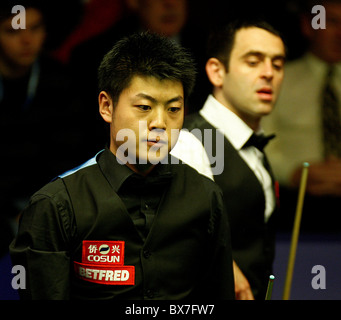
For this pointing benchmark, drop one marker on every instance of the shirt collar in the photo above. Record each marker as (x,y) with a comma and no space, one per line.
(234,128)
(117,173)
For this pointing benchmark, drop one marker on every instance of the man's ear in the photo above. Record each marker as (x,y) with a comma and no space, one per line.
(106,106)
(215,71)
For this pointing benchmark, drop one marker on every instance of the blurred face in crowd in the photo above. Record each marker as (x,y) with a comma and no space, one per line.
(150,109)
(166,17)
(251,85)
(20,48)
(326,43)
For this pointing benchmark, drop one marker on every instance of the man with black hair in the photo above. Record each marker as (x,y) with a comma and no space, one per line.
(131,223)
(245,68)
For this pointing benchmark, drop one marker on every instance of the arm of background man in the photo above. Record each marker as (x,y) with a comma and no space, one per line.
(41,247)
(241,285)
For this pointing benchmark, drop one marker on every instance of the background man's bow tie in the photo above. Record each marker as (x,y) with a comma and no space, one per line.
(258,141)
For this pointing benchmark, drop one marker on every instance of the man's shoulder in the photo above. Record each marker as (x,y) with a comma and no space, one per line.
(194,120)
(57,187)
(192,178)
(81,169)
(52,190)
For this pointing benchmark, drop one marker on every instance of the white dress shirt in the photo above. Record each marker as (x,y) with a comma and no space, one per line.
(238,133)
(191,151)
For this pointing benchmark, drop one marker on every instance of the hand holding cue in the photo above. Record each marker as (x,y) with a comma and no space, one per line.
(295,232)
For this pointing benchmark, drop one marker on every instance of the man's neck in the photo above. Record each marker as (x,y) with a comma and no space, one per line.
(141,169)
(252,122)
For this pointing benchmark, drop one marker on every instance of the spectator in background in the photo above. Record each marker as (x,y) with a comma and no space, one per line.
(97,16)
(307,123)
(34,110)
(166,17)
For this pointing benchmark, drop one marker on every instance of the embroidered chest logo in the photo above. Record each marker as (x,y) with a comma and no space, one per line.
(103,262)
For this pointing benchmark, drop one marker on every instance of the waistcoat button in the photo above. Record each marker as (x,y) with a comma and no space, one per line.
(146,253)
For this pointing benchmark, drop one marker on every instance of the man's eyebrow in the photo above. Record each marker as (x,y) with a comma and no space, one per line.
(253,53)
(153,100)
(176,99)
(262,54)
(146,96)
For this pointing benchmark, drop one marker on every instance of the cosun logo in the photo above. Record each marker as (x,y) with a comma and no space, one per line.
(104,249)
(104,259)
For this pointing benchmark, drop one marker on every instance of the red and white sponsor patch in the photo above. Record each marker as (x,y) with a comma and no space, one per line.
(103,252)
(103,262)
(118,275)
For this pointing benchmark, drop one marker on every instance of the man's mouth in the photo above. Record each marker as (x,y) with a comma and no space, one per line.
(156,141)
(265,94)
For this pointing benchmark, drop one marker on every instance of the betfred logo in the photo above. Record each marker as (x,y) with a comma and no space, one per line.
(103,252)
(110,275)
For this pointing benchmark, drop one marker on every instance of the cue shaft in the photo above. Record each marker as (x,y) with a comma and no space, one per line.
(269,289)
(296,231)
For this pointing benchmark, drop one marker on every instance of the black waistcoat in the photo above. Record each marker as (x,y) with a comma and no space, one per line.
(253,240)
(176,260)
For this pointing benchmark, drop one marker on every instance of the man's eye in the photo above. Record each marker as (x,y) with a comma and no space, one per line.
(174,109)
(278,65)
(144,107)
(252,63)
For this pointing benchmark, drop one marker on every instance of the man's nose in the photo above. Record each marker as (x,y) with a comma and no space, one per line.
(267,71)
(158,120)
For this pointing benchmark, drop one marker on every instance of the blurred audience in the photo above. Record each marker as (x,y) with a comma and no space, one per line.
(167,17)
(36,120)
(307,123)
(97,16)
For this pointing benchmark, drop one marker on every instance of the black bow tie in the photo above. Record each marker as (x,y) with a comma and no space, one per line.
(258,141)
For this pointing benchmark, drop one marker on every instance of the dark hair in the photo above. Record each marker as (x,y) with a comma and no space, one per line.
(221,40)
(145,54)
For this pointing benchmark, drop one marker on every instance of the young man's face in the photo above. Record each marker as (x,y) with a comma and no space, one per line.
(252,83)
(149,109)
(21,47)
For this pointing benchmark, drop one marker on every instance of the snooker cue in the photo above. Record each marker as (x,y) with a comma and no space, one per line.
(269,289)
(295,232)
